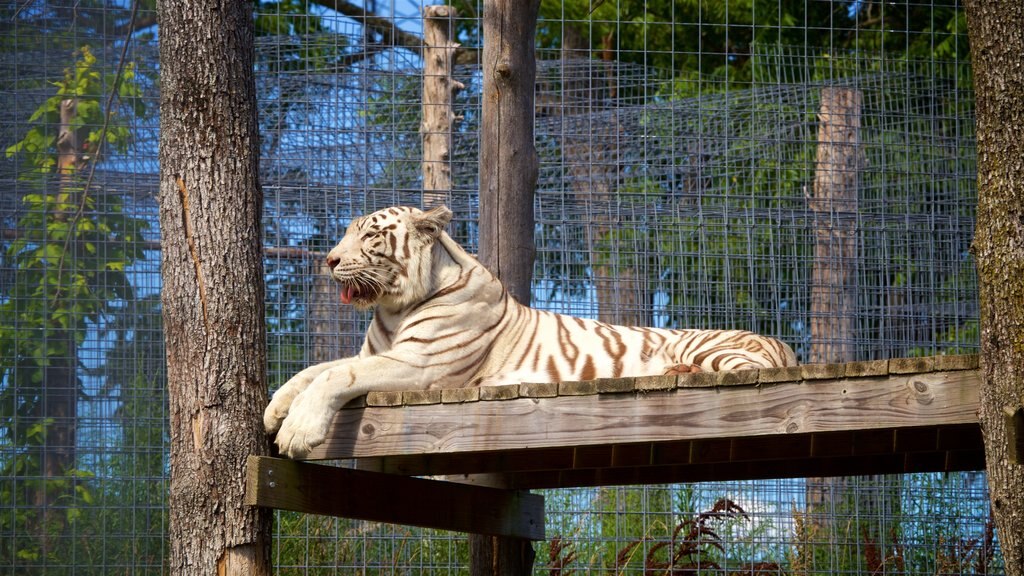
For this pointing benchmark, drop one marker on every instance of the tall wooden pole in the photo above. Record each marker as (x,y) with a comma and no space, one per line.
(213,293)
(833,276)
(834,206)
(439,89)
(59,401)
(508,177)
(508,157)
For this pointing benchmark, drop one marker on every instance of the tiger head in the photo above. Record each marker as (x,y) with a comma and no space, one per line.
(385,258)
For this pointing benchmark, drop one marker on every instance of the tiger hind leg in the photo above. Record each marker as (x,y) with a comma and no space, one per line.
(681,369)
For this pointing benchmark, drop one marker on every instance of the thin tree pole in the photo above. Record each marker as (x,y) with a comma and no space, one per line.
(833,276)
(59,401)
(439,89)
(593,155)
(213,291)
(834,206)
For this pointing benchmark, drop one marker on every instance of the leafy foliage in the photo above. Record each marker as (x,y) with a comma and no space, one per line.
(72,253)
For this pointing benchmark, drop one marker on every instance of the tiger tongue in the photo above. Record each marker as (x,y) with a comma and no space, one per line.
(347,294)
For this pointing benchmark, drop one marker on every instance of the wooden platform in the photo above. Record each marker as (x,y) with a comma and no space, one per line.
(895,416)
(816,420)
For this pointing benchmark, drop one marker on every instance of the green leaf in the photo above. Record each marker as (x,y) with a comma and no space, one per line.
(88,111)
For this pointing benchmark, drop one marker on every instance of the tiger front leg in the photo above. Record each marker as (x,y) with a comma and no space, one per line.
(281,403)
(313,410)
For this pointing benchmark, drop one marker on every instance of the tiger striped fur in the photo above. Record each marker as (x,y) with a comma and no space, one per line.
(443,320)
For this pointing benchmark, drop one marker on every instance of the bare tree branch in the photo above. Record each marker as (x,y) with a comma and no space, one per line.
(392,35)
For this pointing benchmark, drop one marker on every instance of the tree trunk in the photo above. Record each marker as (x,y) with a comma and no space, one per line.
(508,177)
(500,556)
(834,274)
(213,292)
(61,375)
(592,153)
(834,206)
(59,402)
(439,88)
(996,30)
(508,157)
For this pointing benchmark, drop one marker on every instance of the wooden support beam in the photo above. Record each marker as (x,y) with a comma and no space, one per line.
(690,413)
(924,449)
(319,489)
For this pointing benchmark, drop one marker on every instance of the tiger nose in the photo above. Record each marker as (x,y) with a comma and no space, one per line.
(332,261)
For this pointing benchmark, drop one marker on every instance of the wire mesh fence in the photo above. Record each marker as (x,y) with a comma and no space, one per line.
(684,181)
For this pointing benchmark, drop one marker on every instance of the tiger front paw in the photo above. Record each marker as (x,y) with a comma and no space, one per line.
(277,410)
(305,427)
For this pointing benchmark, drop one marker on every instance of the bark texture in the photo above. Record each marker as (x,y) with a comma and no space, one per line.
(334,329)
(996,29)
(439,89)
(59,400)
(834,273)
(508,157)
(834,206)
(508,178)
(213,293)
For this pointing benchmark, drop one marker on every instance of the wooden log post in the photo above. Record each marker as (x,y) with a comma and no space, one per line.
(508,157)
(592,153)
(508,177)
(834,207)
(439,89)
(324,322)
(335,330)
(834,273)
(58,403)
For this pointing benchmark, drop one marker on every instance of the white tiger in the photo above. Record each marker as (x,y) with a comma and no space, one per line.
(443,320)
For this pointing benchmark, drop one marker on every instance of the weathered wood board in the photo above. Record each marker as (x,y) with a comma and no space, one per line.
(676,427)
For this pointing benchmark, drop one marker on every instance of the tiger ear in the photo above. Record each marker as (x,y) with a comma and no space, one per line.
(432,222)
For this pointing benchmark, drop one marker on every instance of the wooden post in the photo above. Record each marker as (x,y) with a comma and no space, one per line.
(508,158)
(508,177)
(834,206)
(322,315)
(439,88)
(834,274)
(334,329)
(59,401)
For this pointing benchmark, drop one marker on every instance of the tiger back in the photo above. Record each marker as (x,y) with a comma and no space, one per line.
(441,319)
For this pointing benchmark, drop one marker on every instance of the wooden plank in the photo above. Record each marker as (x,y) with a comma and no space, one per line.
(850,404)
(319,489)
(751,470)
(964,438)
